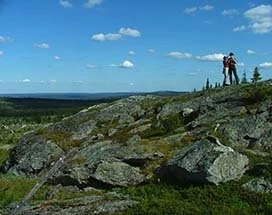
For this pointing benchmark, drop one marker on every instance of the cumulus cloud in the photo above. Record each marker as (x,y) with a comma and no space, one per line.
(41,45)
(92,3)
(57,57)
(26,80)
(1,53)
(130,32)
(131,52)
(53,81)
(206,7)
(239,28)
(230,12)
(179,55)
(91,66)
(151,50)
(194,9)
(5,39)
(65,4)
(103,37)
(126,65)
(190,10)
(260,19)
(266,65)
(211,57)
(250,51)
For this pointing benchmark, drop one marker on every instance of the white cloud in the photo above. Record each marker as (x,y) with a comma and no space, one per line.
(239,28)
(103,37)
(116,36)
(65,4)
(131,52)
(57,57)
(130,32)
(260,19)
(126,65)
(230,12)
(206,7)
(92,3)
(179,55)
(52,81)
(90,66)
(266,65)
(250,51)
(241,64)
(151,50)
(1,53)
(42,45)
(4,39)
(27,80)
(190,10)
(211,57)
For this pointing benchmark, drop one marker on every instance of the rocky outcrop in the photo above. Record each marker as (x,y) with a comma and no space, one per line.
(205,161)
(97,203)
(253,131)
(127,142)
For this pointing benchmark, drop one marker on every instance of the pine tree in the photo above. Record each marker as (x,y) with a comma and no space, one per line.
(207,84)
(244,78)
(256,76)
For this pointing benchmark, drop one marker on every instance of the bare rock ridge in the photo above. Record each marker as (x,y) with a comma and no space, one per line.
(190,139)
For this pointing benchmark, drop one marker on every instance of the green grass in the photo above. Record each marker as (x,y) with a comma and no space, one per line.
(223,199)
(14,189)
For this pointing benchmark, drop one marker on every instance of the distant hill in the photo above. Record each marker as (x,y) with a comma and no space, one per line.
(89,96)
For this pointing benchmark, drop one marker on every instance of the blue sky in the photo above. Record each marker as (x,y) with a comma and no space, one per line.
(120,46)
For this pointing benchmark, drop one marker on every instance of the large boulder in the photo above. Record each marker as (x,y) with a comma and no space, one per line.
(106,164)
(253,131)
(205,161)
(31,155)
(118,173)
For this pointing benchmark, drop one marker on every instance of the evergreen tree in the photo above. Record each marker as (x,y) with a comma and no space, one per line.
(256,75)
(244,78)
(216,85)
(207,84)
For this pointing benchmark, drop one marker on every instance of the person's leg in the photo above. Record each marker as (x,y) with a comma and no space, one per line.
(235,75)
(225,77)
(230,75)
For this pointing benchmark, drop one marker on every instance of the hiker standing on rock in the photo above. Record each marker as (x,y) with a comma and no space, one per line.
(232,68)
(225,70)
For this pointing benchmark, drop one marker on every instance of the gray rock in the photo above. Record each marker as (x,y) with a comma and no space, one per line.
(259,185)
(134,139)
(206,161)
(83,130)
(108,203)
(252,131)
(112,131)
(31,155)
(140,129)
(118,174)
